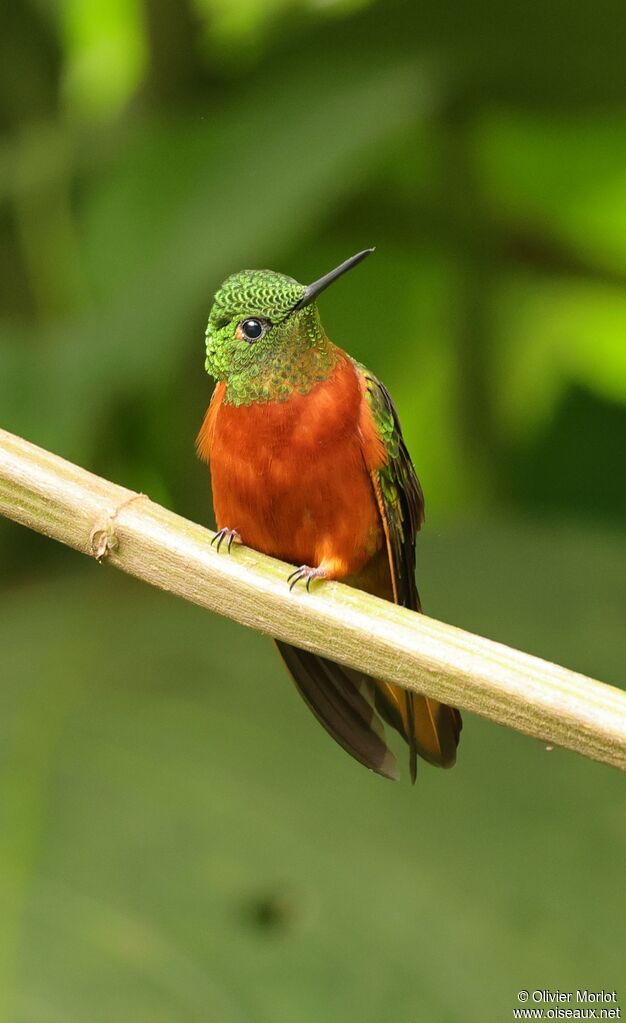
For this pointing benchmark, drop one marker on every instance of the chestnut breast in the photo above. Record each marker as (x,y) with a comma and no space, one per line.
(291,476)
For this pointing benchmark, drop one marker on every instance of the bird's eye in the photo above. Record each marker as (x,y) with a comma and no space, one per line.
(252,329)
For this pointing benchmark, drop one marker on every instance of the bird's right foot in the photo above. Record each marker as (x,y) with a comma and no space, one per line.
(231,536)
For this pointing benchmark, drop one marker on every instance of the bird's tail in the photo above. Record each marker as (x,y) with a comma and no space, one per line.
(432,729)
(352,707)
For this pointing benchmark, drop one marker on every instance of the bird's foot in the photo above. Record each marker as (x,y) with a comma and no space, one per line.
(305,573)
(230,535)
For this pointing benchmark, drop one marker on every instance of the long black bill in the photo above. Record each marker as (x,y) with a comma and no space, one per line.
(315,289)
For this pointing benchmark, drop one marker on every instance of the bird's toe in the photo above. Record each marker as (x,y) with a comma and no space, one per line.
(306,574)
(225,534)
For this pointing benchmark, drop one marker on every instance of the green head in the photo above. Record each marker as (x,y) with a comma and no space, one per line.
(265,337)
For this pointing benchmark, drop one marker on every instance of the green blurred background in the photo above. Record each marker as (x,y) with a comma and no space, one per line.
(179,840)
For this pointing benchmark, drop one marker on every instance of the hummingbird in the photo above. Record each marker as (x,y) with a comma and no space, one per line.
(309,465)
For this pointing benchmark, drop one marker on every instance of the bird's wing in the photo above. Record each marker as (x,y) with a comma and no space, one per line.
(430,728)
(398,491)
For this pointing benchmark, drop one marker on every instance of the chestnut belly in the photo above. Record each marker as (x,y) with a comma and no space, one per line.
(304,497)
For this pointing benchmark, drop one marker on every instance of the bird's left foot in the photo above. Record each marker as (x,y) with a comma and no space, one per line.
(305,573)
(230,535)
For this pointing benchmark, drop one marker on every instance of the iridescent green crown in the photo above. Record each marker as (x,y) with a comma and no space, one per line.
(263,292)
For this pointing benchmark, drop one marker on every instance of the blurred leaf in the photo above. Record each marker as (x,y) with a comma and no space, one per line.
(233,26)
(554,333)
(105,54)
(557,56)
(564,177)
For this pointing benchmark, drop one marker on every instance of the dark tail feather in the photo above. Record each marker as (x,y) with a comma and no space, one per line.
(430,728)
(410,722)
(343,702)
(437,730)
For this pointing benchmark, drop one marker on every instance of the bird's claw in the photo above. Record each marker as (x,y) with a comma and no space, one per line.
(230,535)
(305,572)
